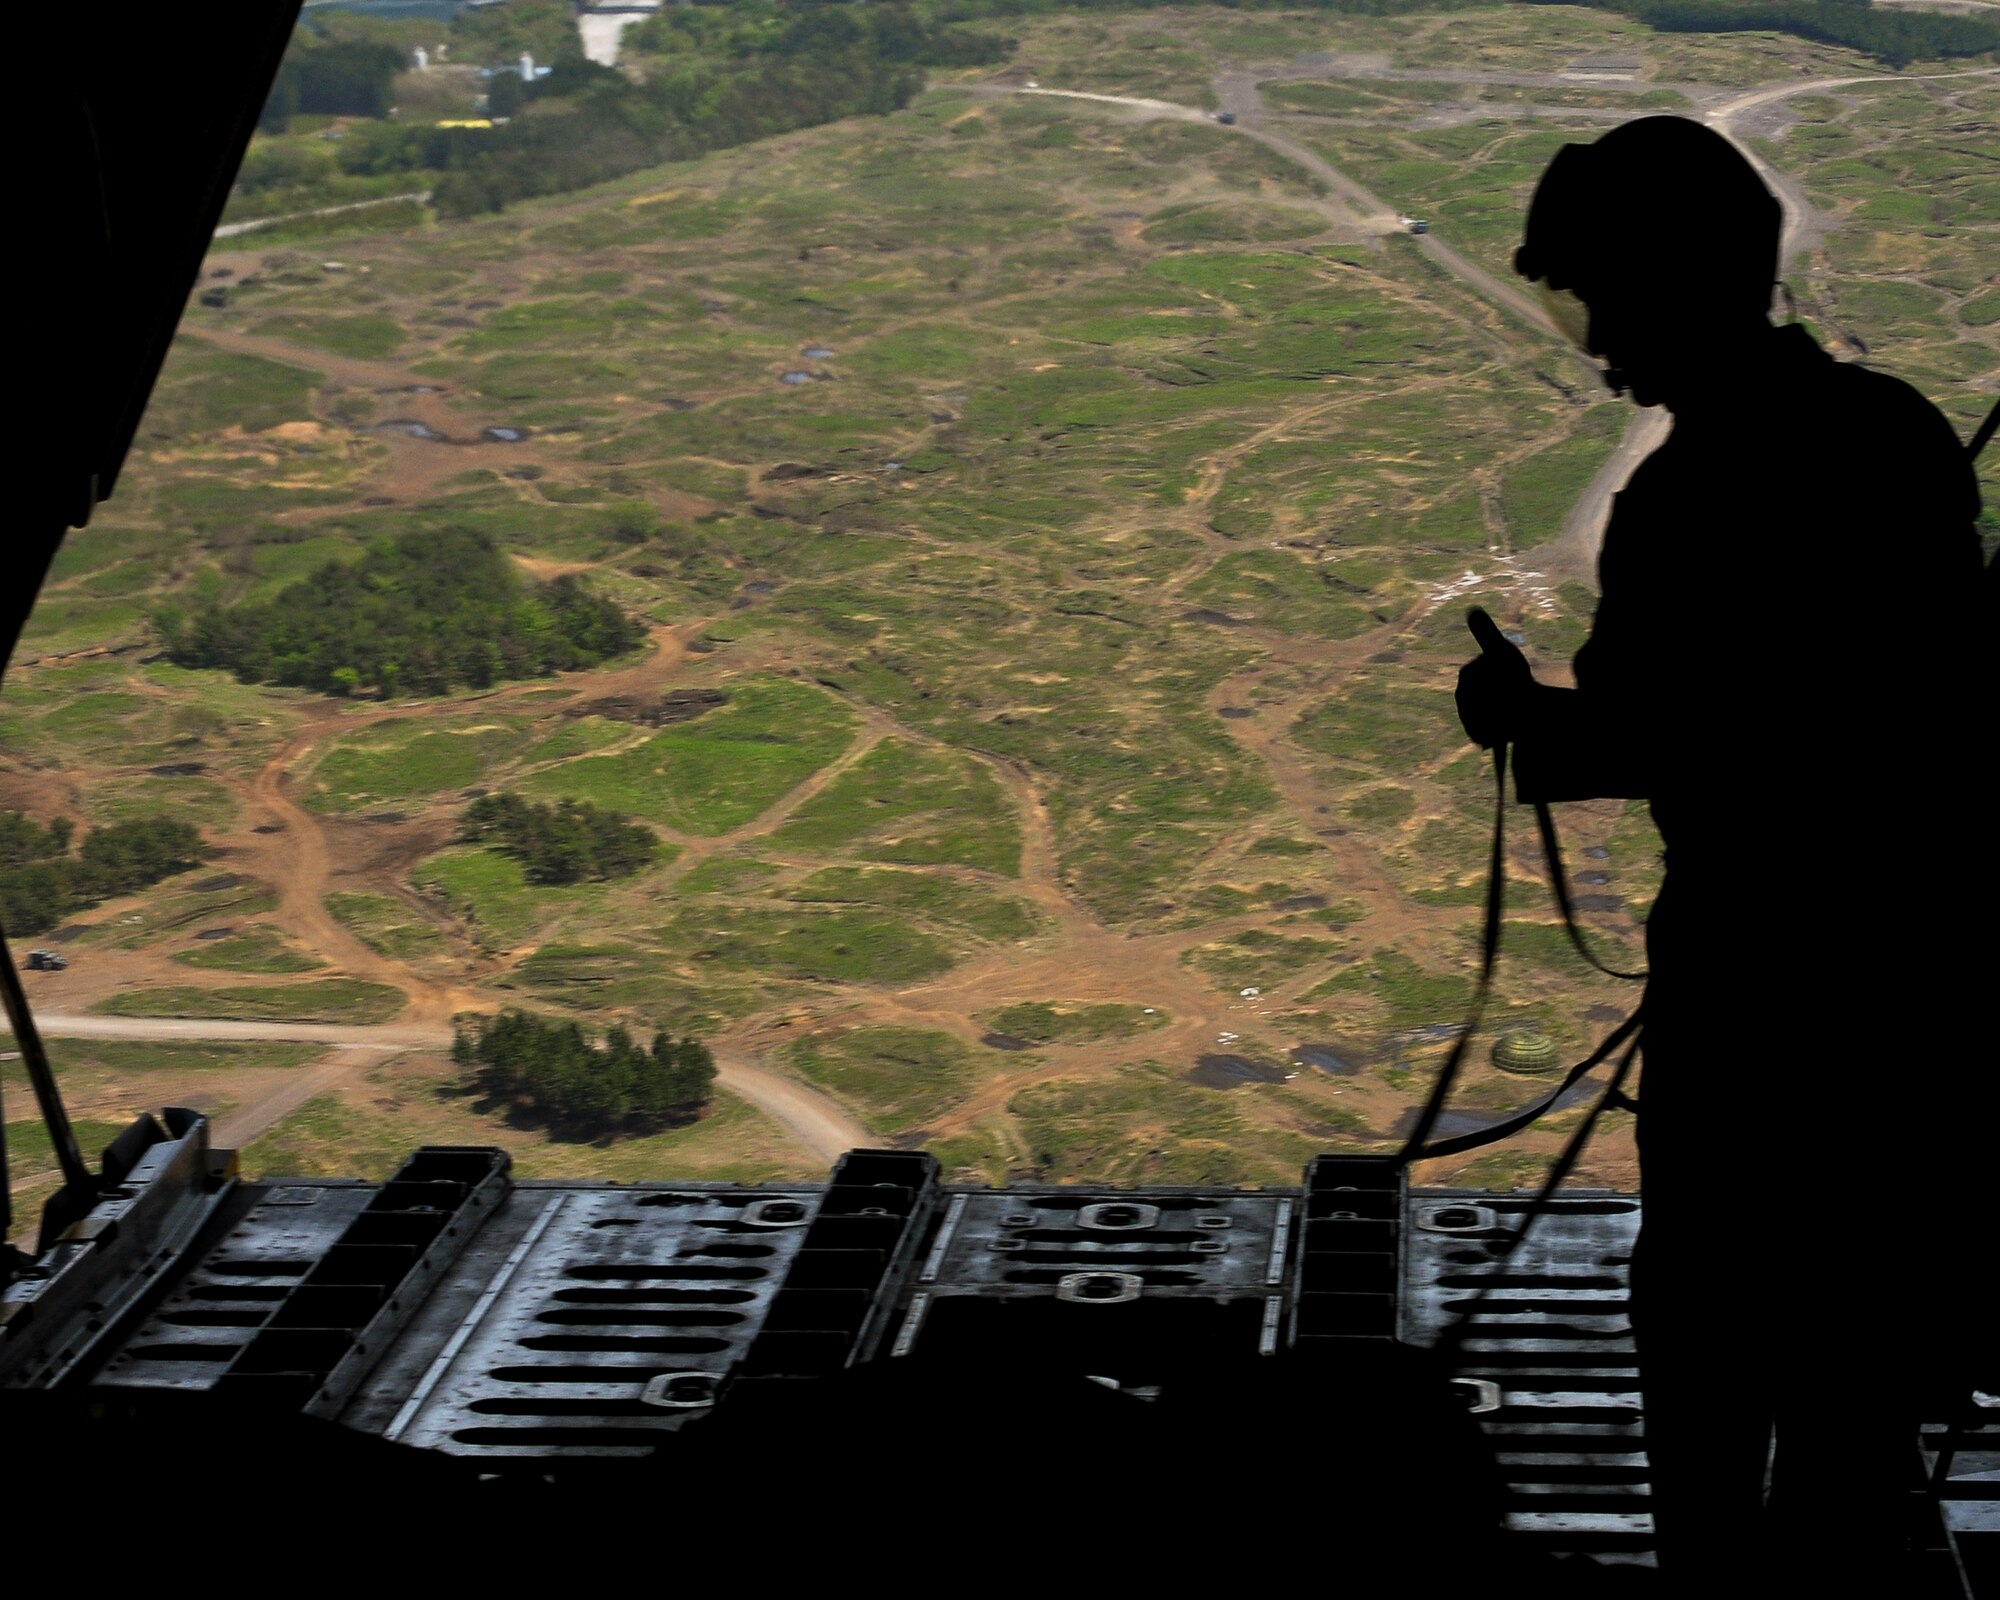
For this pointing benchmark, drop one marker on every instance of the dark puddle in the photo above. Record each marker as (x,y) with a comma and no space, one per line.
(759,586)
(1599,902)
(786,471)
(816,352)
(1593,877)
(215,933)
(1232,1072)
(1604,1014)
(226,880)
(413,388)
(1336,1060)
(410,426)
(504,435)
(1385,658)
(523,474)
(677,705)
(1302,902)
(179,769)
(1220,619)
(482,305)
(387,816)
(671,403)
(1005,1041)
(1513,636)
(797,377)
(1597,852)
(379,500)
(269,827)
(1234,713)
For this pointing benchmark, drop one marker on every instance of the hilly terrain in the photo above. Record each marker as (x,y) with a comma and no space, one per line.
(1007,554)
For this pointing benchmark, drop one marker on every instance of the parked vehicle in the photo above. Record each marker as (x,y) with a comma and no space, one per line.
(46,961)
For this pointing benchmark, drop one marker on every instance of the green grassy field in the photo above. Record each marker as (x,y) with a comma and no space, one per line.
(369,1136)
(257,948)
(327,1000)
(899,1078)
(1060,522)
(1051,1022)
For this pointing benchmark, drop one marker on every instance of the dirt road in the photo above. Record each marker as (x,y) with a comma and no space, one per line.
(1236,89)
(822,1127)
(1357,209)
(347,1062)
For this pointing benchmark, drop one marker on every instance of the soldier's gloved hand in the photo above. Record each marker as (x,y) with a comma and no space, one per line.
(1494,689)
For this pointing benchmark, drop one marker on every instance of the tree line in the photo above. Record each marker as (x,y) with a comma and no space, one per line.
(42,881)
(552,1074)
(420,613)
(1895,38)
(567,842)
(611,129)
(337,77)
(710,77)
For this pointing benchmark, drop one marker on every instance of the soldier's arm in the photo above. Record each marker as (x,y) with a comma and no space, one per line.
(1603,739)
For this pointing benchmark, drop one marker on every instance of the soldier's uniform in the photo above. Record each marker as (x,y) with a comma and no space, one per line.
(1783,662)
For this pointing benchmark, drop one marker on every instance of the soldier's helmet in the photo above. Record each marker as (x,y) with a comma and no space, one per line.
(1660,206)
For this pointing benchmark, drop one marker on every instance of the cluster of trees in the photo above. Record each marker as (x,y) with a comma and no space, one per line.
(889,30)
(552,1074)
(42,881)
(567,842)
(1895,38)
(492,35)
(340,77)
(711,77)
(619,128)
(420,613)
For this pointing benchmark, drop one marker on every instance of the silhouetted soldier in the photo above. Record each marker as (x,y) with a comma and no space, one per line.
(1782,664)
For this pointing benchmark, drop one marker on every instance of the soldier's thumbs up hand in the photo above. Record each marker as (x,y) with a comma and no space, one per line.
(1493,689)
